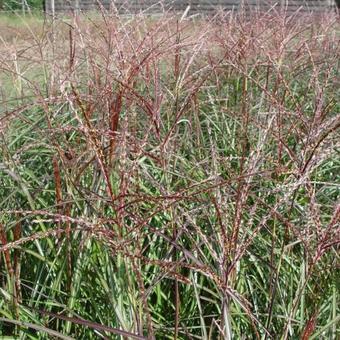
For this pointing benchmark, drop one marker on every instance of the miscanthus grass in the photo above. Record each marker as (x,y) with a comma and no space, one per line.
(170,178)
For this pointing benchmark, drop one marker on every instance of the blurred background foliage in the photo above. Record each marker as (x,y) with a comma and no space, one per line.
(24,5)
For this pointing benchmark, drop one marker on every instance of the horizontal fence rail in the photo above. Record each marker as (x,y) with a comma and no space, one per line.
(196,6)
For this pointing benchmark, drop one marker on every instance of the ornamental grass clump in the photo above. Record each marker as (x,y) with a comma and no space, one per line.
(170,177)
